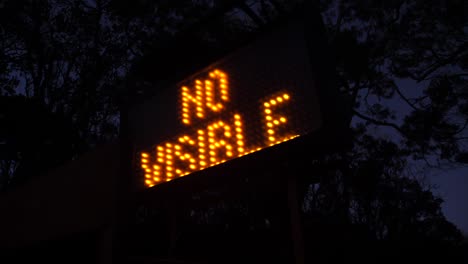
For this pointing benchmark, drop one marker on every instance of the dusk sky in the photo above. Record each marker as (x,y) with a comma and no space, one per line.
(240,131)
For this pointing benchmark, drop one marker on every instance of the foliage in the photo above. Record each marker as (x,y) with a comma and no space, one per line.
(402,64)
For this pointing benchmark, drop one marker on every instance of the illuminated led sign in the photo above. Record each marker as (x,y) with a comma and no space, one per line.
(260,96)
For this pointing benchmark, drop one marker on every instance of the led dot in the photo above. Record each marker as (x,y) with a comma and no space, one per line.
(239,136)
(202,156)
(147,175)
(185,121)
(191,142)
(271,138)
(269,124)
(148,170)
(237,116)
(160,160)
(181,140)
(266,104)
(168,157)
(229,153)
(229,147)
(198,82)
(273,102)
(212,153)
(268,111)
(211,146)
(282,119)
(156,179)
(199,114)
(270,131)
(217,144)
(227,134)
(144,166)
(156,173)
(193,160)
(185,115)
(239,129)
(286,96)
(269,118)
(276,122)
(240,150)
(160,148)
(156,167)
(237,123)
(144,155)
(148,182)
(177,153)
(240,143)
(202,163)
(169,174)
(279,99)
(169,168)
(187,156)
(193,166)
(212,159)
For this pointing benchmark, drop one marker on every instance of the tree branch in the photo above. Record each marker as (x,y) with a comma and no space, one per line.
(380,123)
(405,99)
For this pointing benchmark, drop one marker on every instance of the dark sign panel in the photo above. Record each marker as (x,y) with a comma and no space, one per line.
(259,96)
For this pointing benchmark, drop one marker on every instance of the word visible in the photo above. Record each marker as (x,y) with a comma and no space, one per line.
(216,142)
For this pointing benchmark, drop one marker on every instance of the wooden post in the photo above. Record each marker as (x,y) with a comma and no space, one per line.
(295,218)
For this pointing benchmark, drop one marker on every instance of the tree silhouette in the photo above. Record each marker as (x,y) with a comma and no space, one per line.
(401,65)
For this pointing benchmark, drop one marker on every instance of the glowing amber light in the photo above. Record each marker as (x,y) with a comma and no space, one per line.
(209,94)
(272,122)
(216,133)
